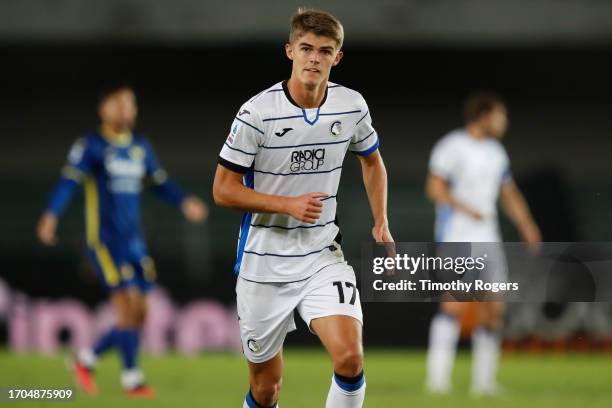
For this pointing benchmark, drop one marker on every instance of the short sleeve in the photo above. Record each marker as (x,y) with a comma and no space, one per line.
(442,162)
(365,139)
(242,143)
(506,170)
(79,161)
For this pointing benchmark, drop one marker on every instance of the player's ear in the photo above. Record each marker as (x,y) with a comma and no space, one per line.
(289,51)
(101,110)
(339,56)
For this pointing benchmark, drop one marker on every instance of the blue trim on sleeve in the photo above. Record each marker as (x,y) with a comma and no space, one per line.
(61,196)
(370,150)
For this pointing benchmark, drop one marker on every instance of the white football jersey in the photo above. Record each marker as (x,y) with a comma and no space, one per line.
(285,150)
(475,170)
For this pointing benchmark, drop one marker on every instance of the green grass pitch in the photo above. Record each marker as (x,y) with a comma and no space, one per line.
(394,379)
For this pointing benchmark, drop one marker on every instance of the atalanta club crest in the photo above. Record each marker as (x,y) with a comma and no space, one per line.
(253,346)
(336,128)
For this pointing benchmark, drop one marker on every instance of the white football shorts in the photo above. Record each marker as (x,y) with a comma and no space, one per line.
(265,310)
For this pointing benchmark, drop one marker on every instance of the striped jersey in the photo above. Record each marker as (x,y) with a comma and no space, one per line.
(283,149)
(475,170)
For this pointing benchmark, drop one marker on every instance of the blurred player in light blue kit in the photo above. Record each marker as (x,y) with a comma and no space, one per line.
(112,164)
(468,171)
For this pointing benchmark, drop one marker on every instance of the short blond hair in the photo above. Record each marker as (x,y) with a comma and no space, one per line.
(317,22)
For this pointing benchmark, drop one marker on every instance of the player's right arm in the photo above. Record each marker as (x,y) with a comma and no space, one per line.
(442,165)
(230,192)
(438,191)
(236,159)
(78,165)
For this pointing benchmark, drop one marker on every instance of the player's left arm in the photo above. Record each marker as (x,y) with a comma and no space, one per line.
(375,181)
(192,207)
(515,206)
(78,166)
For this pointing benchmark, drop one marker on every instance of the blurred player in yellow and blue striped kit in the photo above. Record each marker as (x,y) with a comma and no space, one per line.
(112,163)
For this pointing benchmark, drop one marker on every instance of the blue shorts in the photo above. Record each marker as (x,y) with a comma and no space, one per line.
(118,272)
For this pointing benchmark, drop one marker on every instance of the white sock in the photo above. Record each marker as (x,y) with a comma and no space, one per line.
(131,378)
(485,357)
(443,338)
(87,357)
(346,395)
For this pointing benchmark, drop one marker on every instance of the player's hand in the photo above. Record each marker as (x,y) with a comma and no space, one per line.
(194,209)
(532,236)
(47,225)
(472,213)
(382,235)
(306,208)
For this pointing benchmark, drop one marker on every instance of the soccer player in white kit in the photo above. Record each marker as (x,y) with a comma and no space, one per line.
(468,171)
(281,163)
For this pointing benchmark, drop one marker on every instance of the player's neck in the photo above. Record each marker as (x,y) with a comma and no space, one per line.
(115,135)
(476,132)
(304,97)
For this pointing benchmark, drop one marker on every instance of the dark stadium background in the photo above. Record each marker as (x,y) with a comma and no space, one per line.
(559,143)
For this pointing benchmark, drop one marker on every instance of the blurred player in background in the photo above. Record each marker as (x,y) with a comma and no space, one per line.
(112,164)
(468,170)
(281,163)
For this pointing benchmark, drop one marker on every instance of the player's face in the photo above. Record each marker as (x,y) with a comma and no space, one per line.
(313,57)
(119,110)
(497,122)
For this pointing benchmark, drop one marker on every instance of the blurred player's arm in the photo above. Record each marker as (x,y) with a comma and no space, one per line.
(437,190)
(230,192)
(375,180)
(192,207)
(515,206)
(60,197)
(73,173)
